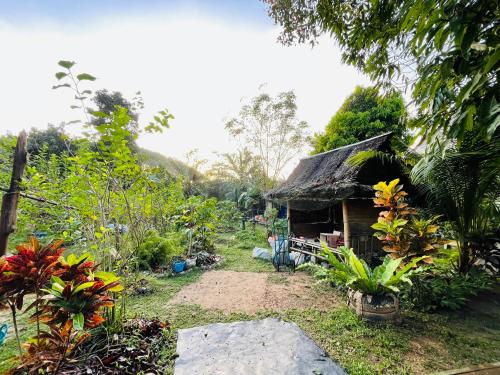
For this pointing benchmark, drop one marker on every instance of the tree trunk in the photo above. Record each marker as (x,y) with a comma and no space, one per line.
(464,260)
(8,214)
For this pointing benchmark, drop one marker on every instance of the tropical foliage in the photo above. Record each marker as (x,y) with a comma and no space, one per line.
(71,296)
(357,275)
(156,251)
(199,220)
(404,233)
(437,289)
(446,52)
(365,114)
(462,183)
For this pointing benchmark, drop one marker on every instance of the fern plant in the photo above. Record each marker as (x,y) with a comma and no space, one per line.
(356,274)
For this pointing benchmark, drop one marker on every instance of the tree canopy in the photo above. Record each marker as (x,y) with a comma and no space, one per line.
(242,167)
(364,114)
(270,127)
(54,139)
(447,52)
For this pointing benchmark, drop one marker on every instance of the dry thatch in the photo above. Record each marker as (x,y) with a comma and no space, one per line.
(322,179)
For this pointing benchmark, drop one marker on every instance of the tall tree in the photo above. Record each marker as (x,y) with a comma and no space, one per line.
(447,52)
(364,114)
(241,167)
(53,139)
(270,127)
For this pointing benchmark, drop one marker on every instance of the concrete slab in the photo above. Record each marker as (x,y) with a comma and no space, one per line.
(258,347)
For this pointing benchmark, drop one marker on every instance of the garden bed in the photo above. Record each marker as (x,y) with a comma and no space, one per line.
(422,344)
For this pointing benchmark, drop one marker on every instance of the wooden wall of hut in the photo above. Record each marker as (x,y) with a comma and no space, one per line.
(362,215)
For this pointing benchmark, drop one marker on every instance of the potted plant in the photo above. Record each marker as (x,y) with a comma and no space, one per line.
(371,292)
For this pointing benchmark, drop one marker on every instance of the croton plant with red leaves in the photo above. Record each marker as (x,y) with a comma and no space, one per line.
(76,269)
(32,267)
(71,296)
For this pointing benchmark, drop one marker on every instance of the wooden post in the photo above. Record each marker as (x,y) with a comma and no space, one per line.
(288,217)
(345,219)
(8,214)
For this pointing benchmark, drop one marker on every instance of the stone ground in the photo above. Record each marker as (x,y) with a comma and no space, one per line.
(250,292)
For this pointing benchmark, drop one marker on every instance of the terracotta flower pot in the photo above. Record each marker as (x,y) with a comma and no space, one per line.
(381,308)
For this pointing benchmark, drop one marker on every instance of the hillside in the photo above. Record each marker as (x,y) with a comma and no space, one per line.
(173,166)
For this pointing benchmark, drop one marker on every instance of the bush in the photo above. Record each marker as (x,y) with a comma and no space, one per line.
(229,215)
(71,298)
(355,273)
(199,219)
(435,289)
(158,251)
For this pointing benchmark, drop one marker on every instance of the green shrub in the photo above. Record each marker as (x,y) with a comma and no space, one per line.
(229,215)
(199,219)
(434,289)
(357,275)
(156,251)
(248,238)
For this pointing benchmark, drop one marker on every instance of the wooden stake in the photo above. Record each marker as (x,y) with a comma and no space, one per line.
(345,219)
(288,217)
(8,214)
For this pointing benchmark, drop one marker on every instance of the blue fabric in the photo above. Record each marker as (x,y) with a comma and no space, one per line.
(3,332)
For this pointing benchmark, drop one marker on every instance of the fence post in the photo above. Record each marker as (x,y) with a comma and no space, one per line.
(8,213)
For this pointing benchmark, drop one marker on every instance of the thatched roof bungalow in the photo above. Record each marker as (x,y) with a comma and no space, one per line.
(326,193)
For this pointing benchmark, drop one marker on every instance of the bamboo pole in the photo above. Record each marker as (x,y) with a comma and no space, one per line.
(8,213)
(288,217)
(345,220)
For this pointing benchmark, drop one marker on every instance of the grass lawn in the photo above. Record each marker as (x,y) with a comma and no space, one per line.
(422,344)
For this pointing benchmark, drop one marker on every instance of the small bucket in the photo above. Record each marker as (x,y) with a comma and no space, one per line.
(178,266)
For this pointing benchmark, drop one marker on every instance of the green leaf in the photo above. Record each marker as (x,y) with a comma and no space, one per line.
(117,288)
(85,77)
(71,259)
(83,286)
(62,85)
(66,64)
(104,276)
(468,38)
(60,75)
(57,280)
(78,321)
(357,266)
(492,60)
(390,267)
(469,118)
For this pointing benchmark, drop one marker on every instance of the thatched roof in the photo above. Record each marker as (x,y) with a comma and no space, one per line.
(321,179)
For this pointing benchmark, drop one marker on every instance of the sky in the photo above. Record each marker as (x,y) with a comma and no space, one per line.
(200,59)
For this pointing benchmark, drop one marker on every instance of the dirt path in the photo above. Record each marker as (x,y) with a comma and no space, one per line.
(250,292)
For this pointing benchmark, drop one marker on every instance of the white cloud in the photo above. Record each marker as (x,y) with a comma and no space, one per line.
(198,67)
